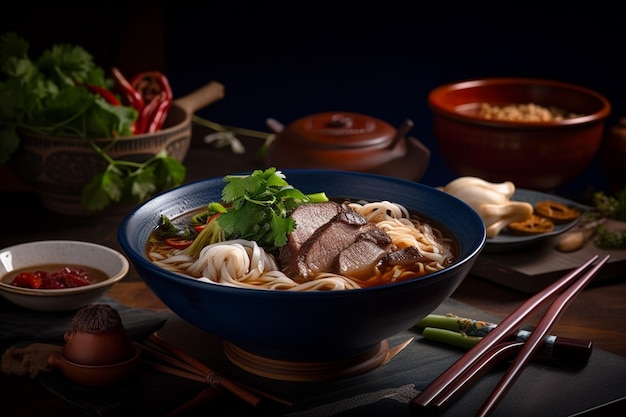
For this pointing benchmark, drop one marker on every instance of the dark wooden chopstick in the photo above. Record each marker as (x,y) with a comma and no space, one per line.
(180,367)
(535,340)
(169,360)
(496,354)
(226,383)
(207,394)
(503,332)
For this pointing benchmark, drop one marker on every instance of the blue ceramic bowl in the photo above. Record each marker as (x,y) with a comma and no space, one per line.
(307,326)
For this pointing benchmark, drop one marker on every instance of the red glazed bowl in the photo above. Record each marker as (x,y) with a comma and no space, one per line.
(541,155)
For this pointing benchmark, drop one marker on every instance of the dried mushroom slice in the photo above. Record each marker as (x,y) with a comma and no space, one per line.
(534,225)
(557,212)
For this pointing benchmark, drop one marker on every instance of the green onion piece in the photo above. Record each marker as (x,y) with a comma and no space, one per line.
(440,322)
(317,197)
(216,208)
(450,337)
(212,233)
(469,327)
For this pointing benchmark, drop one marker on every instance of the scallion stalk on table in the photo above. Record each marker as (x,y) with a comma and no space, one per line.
(464,333)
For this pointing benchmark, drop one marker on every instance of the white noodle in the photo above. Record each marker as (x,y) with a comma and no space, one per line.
(242,263)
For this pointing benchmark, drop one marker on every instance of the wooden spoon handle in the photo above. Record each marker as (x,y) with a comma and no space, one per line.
(202,97)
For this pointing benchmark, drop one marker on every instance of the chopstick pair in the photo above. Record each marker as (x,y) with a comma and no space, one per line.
(495,345)
(183,365)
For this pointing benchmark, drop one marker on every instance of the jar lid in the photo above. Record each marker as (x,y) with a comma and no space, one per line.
(340,130)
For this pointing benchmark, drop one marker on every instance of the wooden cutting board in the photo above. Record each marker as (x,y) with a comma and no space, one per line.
(531,268)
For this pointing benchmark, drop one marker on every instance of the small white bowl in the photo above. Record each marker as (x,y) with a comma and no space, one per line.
(64,252)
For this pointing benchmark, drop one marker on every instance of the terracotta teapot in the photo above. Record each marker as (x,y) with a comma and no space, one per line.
(349,142)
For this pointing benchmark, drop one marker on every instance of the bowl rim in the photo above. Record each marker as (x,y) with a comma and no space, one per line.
(54,292)
(437,106)
(143,262)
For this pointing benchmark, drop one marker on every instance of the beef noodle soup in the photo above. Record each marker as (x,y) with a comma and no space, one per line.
(337,245)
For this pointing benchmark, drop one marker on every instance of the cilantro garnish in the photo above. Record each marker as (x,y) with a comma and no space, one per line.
(254,207)
(259,206)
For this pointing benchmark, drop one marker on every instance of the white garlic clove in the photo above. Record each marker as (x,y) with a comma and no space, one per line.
(491,201)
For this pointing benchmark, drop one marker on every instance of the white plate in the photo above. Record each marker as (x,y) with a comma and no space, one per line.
(506,240)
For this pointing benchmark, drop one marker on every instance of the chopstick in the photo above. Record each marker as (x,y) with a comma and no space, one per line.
(207,394)
(177,364)
(428,398)
(533,343)
(455,388)
(184,370)
(208,373)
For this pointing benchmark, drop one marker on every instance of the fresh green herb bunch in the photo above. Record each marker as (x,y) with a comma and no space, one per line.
(64,93)
(49,95)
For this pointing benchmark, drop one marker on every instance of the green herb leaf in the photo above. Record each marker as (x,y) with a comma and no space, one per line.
(612,207)
(102,190)
(169,172)
(610,239)
(260,205)
(48,96)
(132,182)
(142,184)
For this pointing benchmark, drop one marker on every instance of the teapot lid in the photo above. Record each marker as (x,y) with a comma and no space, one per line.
(340,130)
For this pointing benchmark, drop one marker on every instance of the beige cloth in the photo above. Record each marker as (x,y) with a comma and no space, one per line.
(29,360)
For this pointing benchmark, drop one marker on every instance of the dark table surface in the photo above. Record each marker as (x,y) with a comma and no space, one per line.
(597,313)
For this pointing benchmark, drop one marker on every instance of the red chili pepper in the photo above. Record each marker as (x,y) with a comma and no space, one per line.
(155,89)
(104,93)
(152,83)
(209,219)
(130,96)
(158,116)
(213,217)
(145,115)
(178,243)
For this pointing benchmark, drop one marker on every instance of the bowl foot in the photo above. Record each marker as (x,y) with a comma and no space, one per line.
(299,371)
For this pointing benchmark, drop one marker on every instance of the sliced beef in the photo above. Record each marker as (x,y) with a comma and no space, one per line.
(374,234)
(319,252)
(359,260)
(405,256)
(331,237)
(349,216)
(308,218)
(322,251)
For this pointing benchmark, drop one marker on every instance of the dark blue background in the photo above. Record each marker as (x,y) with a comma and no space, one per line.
(287,59)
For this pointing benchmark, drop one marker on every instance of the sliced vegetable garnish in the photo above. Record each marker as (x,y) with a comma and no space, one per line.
(178,243)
